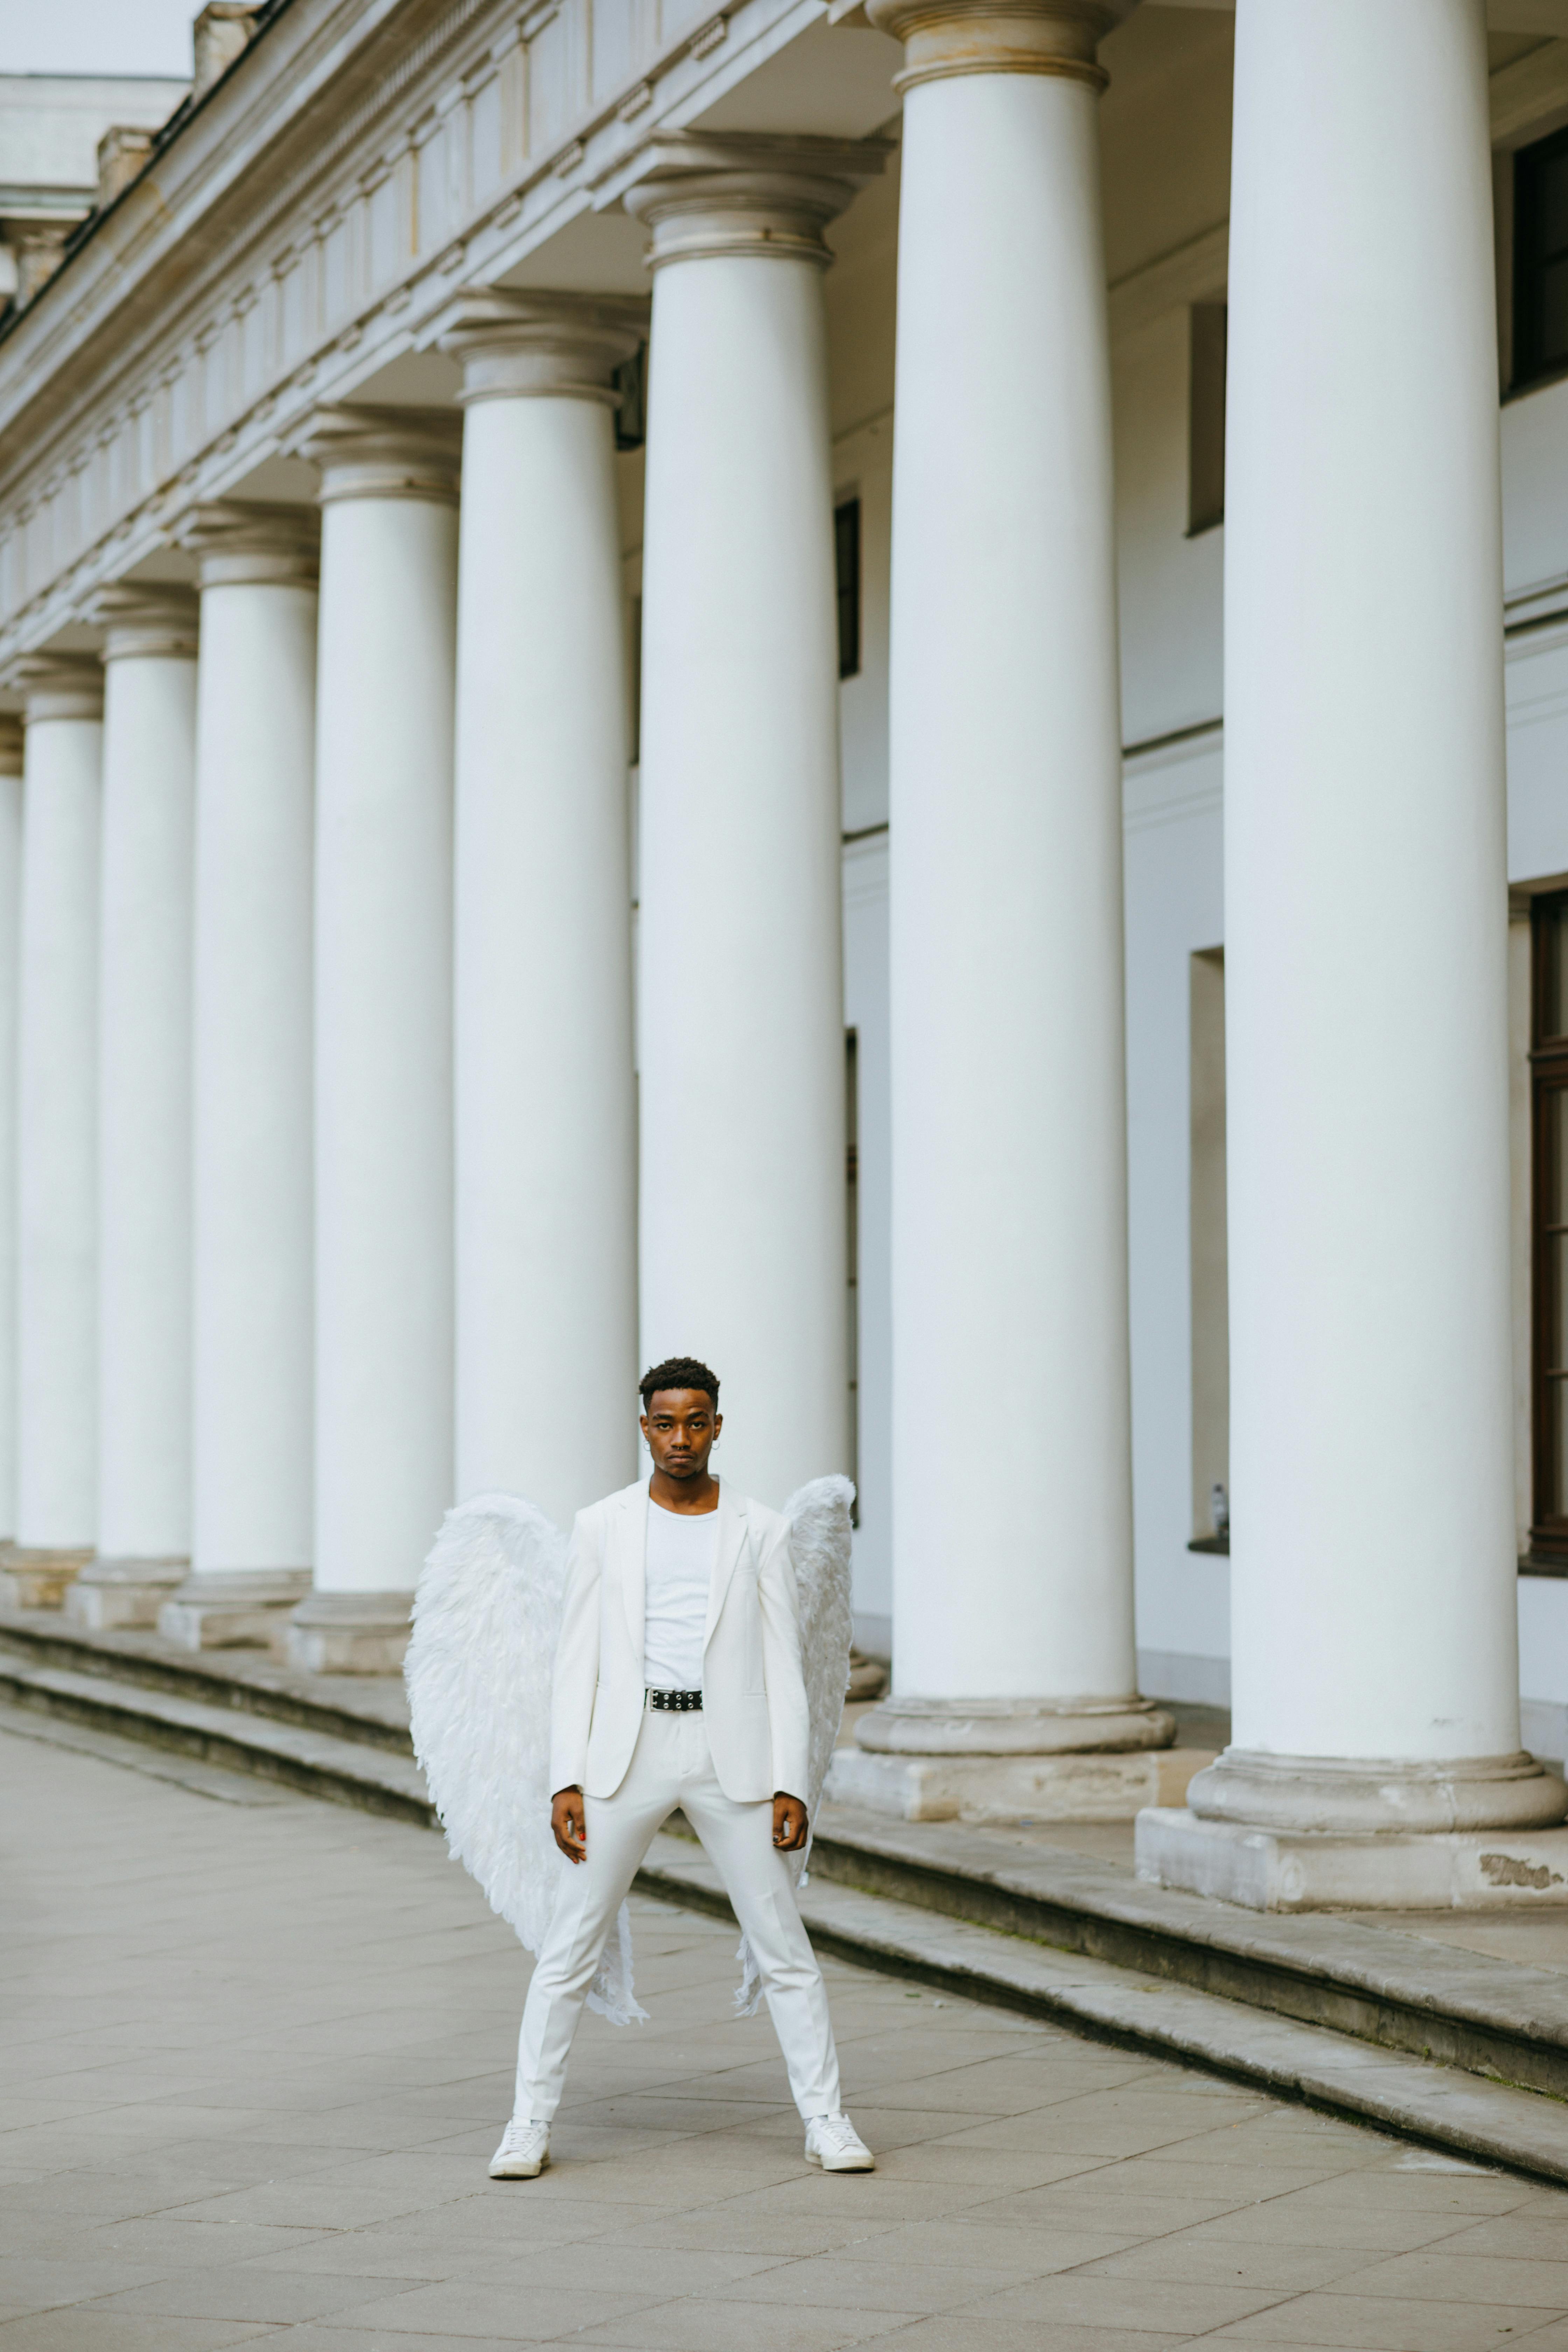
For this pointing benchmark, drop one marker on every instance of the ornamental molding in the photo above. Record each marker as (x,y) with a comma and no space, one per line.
(361,161)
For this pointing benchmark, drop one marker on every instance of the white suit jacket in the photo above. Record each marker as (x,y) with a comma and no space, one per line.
(753,1695)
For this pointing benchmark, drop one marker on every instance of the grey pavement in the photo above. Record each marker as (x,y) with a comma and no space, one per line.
(256,2052)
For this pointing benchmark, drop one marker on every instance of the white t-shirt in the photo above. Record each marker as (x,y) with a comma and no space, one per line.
(681,1549)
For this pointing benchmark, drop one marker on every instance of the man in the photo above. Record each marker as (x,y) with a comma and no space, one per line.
(678,1681)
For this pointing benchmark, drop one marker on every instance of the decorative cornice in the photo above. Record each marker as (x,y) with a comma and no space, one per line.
(944,38)
(533,346)
(290,242)
(706,193)
(384,452)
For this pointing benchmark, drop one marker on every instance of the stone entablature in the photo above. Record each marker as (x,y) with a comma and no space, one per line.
(360,164)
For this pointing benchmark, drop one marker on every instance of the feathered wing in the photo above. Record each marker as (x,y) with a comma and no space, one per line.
(487,1615)
(819,1542)
(487,1618)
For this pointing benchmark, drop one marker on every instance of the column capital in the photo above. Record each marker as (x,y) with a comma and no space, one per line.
(704,193)
(384,452)
(11,736)
(541,345)
(147,620)
(242,542)
(944,38)
(60,685)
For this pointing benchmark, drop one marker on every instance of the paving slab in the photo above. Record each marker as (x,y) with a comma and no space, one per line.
(234,1985)
(1495,2119)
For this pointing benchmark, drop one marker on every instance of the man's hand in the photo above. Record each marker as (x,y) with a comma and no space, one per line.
(572,1830)
(789,1823)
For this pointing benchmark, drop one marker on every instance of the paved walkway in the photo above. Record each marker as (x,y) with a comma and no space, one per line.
(255,2052)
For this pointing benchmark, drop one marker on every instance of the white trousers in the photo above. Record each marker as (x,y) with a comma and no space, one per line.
(671,1766)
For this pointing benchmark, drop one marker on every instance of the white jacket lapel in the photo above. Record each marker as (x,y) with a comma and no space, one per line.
(631,1544)
(732,1535)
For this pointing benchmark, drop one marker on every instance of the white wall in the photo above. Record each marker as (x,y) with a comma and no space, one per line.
(865,1010)
(1171,617)
(860,305)
(1535,559)
(1171,681)
(1170,802)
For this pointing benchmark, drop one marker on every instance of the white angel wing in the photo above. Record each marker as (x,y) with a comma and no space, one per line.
(819,1542)
(486,1614)
(487,1618)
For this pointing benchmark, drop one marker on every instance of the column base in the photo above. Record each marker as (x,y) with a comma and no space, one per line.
(1360,1796)
(1064,1788)
(349,1633)
(233,1609)
(39,1575)
(1015,1727)
(109,1594)
(1305,1870)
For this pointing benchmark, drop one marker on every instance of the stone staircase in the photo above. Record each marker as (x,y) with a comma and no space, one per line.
(1458,2047)
(342,1737)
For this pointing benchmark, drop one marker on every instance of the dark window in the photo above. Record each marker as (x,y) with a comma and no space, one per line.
(846,568)
(630,381)
(1549,1250)
(1541,259)
(1205,417)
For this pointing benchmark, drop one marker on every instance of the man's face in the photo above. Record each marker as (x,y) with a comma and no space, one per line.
(680,1425)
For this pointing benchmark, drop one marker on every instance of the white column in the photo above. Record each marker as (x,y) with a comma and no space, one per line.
(12,758)
(546,1266)
(1375,1666)
(383,1027)
(57,1249)
(740,1014)
(1013,1631)
(251,1310)
(144,1109)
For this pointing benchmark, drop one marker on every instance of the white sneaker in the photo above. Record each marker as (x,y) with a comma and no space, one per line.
(833,2142)
(524,2150)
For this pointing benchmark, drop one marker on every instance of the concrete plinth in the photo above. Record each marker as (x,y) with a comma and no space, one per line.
(1308,1870)
(237,1609)
(32,1577)
(349,1633)
(108,1593)
(1061,1788)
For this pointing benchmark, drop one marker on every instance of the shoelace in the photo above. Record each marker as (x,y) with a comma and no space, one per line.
(516,2134)
(840,2129)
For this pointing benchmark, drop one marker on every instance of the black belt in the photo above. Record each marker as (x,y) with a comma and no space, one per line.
(667,1702)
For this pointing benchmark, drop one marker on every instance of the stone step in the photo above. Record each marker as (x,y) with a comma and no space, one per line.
(1005,1912)
(169,1765)
(345,1771)
(1388,1985)
(371,1711)
(1498,2122)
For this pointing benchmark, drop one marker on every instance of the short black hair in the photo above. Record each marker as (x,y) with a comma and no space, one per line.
(677,1372)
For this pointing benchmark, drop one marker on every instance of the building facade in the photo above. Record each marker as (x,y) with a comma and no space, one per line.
(735,681)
